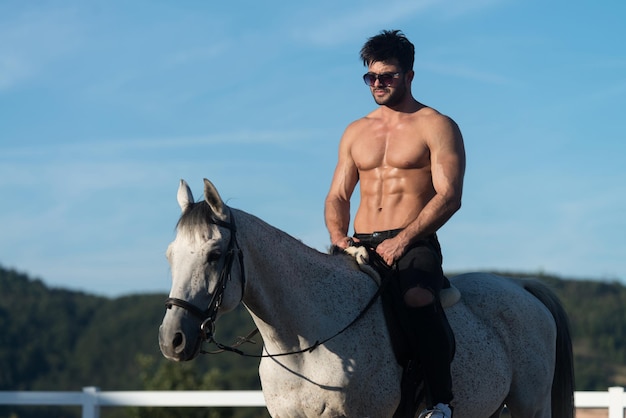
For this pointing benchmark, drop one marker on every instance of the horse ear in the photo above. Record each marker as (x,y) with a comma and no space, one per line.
(214,200)
(184,196)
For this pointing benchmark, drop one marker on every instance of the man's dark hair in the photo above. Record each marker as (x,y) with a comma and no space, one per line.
(389,45)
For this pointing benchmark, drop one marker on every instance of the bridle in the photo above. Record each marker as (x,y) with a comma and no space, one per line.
(207,317)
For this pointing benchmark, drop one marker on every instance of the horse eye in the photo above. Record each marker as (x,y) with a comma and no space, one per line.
(214,256)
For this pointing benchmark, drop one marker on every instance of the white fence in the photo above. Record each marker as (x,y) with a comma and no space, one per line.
(91,399)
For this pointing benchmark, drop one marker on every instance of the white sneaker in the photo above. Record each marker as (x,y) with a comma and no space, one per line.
(440,410)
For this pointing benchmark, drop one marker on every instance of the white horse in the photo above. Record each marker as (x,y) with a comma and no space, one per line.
(512,337)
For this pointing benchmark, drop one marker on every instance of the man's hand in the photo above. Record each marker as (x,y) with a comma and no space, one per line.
(344,242)
(390,250)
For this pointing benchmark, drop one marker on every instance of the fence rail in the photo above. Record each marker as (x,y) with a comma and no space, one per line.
(91,399)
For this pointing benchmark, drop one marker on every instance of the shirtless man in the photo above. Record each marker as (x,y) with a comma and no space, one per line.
(410,162)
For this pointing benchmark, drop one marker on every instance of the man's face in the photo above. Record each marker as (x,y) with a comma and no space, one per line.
(392,94)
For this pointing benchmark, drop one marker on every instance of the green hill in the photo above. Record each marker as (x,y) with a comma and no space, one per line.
(54,339)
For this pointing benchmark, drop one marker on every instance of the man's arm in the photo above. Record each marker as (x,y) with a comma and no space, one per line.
(447,170)
(337,204)
(447,154)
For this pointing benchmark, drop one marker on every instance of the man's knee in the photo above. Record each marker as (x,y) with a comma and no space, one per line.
(418,297)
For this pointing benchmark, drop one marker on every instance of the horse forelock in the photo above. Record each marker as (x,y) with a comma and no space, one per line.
(195,218)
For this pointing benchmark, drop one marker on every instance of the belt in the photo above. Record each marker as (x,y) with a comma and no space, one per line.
(377,237)
(380,235)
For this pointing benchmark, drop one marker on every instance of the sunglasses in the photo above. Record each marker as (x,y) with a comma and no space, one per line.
(385,79)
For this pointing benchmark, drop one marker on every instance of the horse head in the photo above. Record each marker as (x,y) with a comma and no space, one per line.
(206,280)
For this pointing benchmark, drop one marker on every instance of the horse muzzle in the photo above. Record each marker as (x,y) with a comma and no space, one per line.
(177,343)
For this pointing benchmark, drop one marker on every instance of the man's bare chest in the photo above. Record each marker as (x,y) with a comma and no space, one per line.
(402,152)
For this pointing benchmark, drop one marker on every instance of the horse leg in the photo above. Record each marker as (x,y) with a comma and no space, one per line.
(531,405)
(498,412)
(527,409)
(530,393)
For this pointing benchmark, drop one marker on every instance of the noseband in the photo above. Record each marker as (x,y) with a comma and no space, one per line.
(207,317)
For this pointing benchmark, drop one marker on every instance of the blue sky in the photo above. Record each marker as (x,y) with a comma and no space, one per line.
(105,105)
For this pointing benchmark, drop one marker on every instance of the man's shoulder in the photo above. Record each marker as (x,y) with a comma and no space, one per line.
(361,124)
(431,118)
(431,114)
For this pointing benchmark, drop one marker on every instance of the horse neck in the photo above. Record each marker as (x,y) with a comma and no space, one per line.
(291,288)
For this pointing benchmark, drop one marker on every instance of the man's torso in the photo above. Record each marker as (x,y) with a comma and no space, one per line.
(393,160)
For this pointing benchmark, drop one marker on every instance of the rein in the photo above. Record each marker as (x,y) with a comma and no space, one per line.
(208,316)
(222,348)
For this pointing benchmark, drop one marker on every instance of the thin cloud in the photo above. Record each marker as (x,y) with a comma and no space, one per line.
(118,147)
(460,8)
(346,25)
(33,41)
(465,72)
(352,23)
(195,55)
(13,69)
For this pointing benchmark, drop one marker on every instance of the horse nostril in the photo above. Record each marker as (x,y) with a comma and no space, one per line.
(178,342)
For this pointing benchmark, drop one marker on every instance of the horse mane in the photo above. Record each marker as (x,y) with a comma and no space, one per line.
(198,215)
